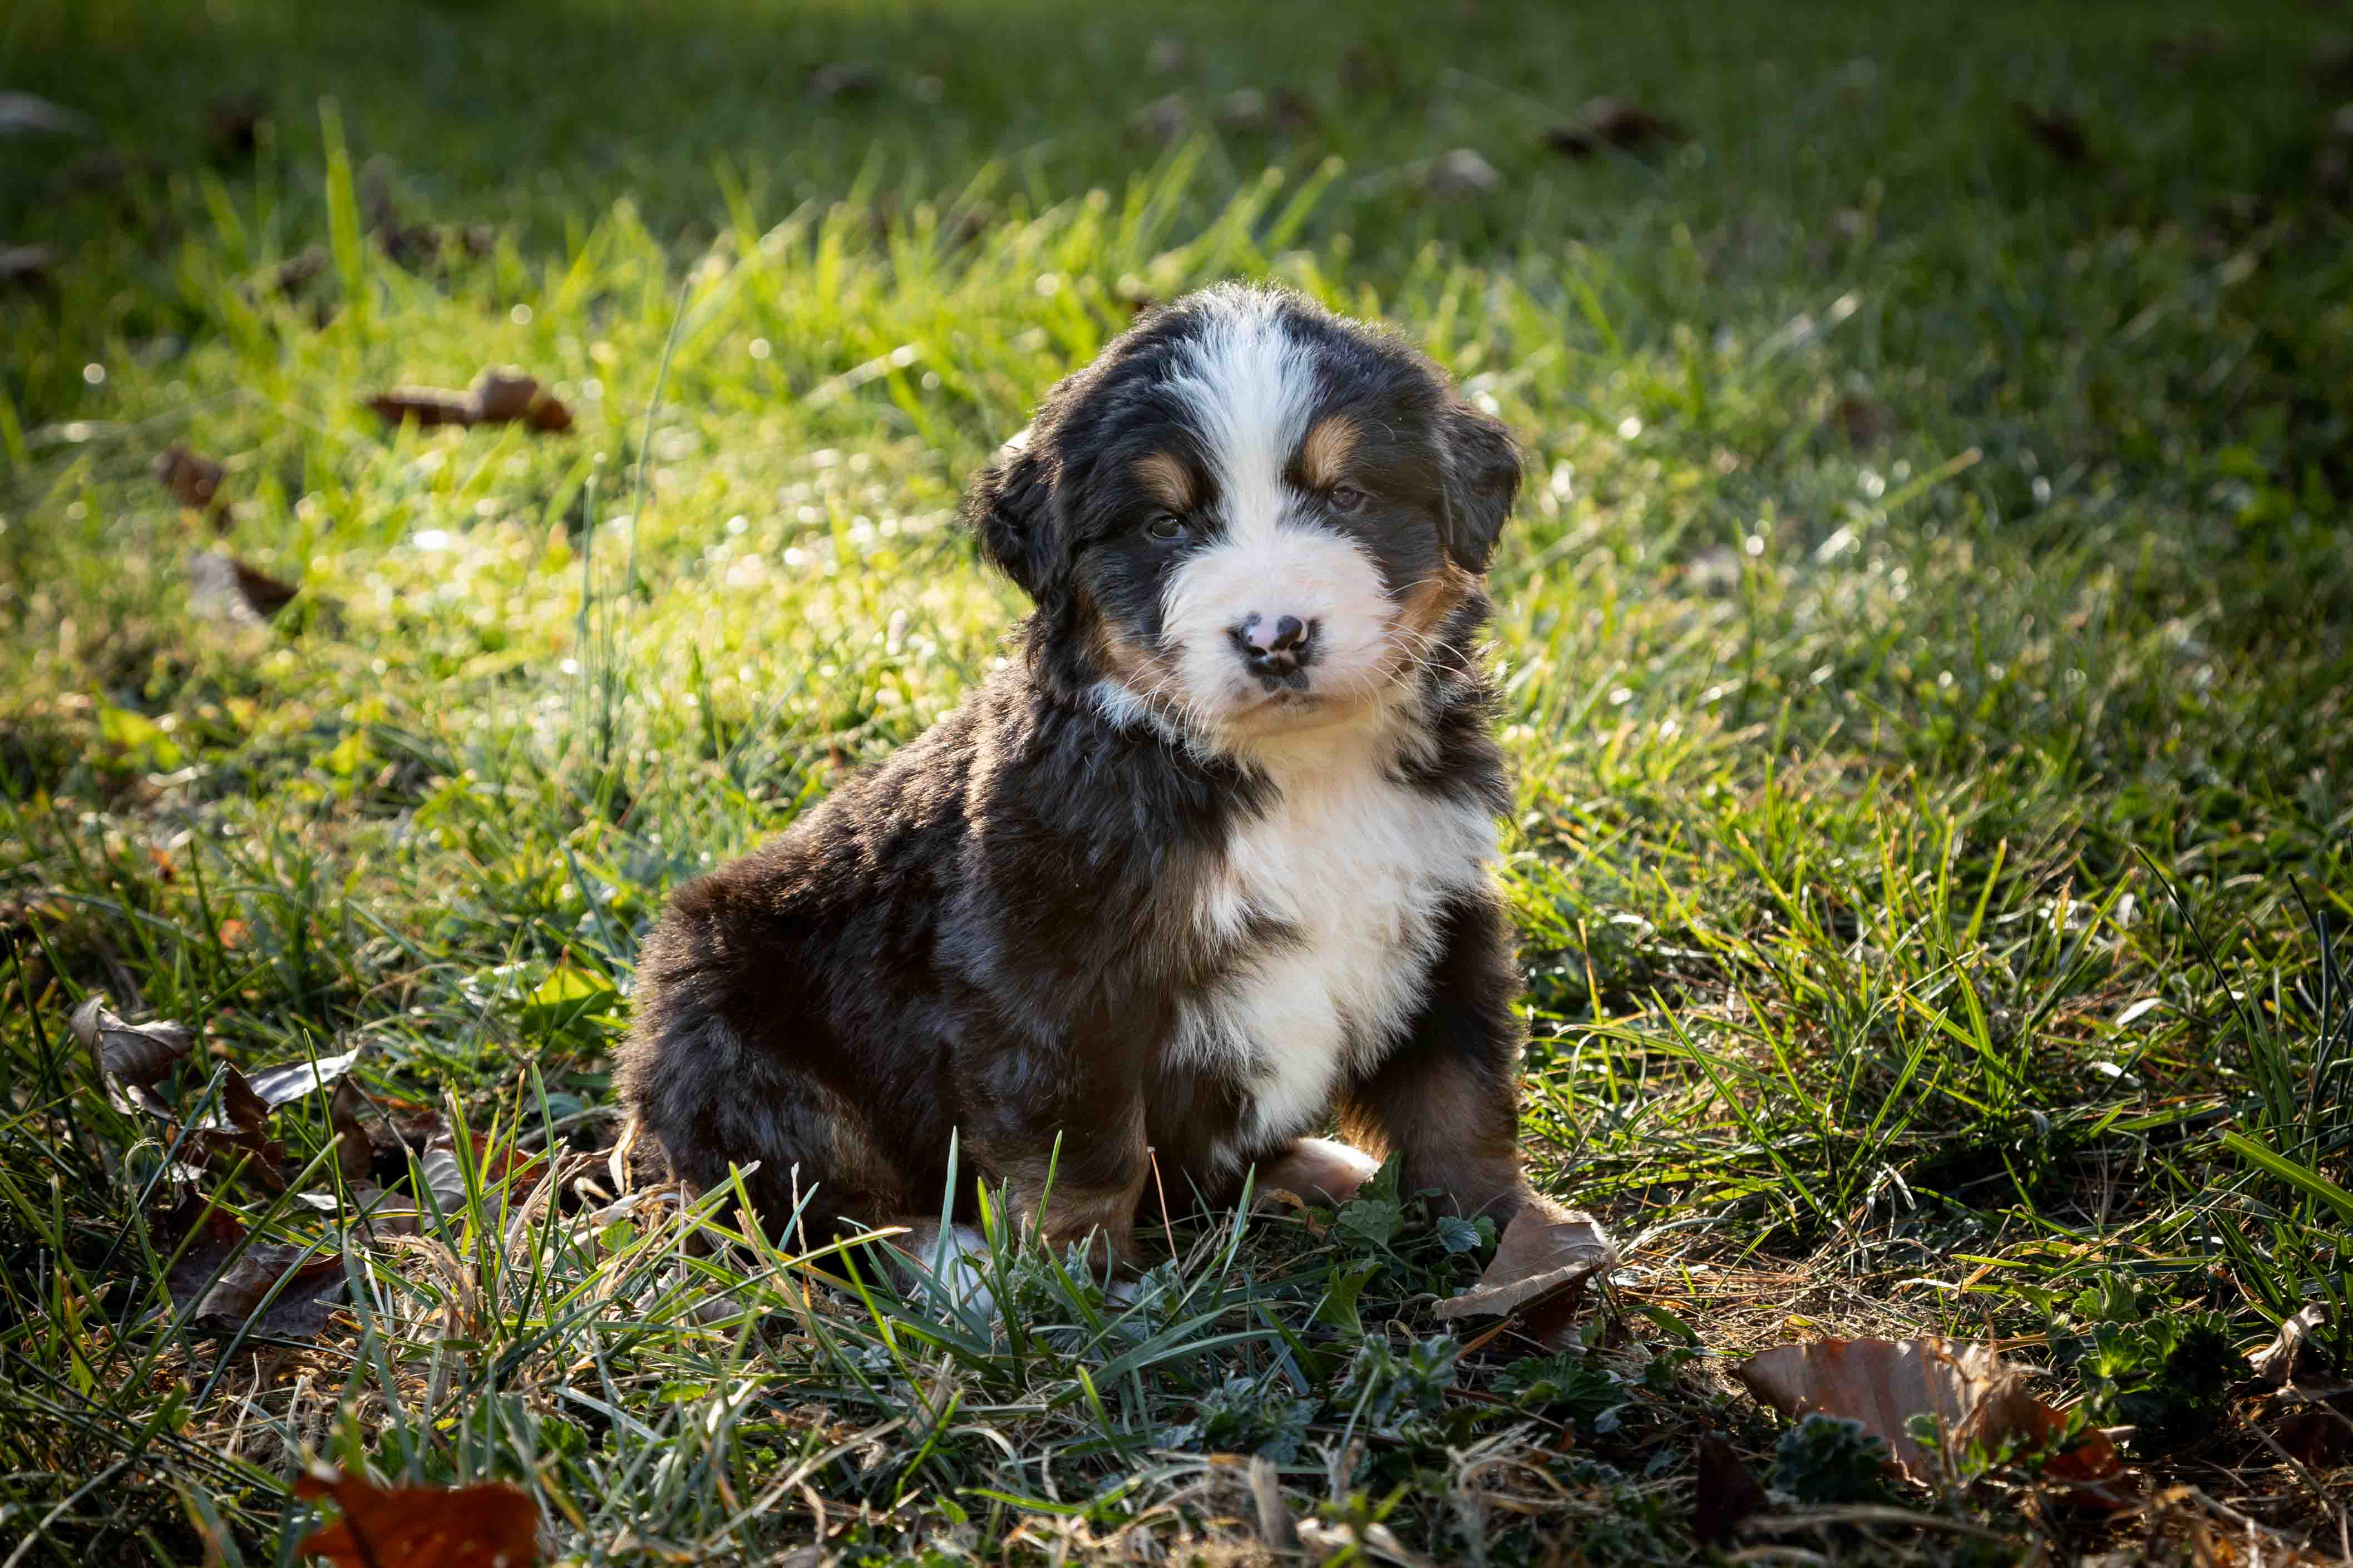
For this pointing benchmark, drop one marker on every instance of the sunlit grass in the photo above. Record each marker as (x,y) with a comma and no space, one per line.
(1923,641)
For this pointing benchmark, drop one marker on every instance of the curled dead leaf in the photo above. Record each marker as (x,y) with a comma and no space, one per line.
(2292,1351)
(491,1524)
(131,1058)
(223,587)
(28,114)
(348,1112)
(1883,1383)
(2059,132)
(498,397)
(1611,123)
(285,1081)
(1461,173)
(1164,120)
(192,480)
(26,266)
(284,1289)
(845,79)
(239,1131)
(1724,1491)
(1541,1267)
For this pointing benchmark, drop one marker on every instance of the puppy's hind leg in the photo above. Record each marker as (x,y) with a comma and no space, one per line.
(1320,1169)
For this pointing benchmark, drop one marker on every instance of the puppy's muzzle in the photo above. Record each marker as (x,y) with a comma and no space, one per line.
(1275,649)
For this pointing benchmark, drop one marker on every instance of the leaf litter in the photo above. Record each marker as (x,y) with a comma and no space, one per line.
(489,1524)
(1971,1393)
(497,397)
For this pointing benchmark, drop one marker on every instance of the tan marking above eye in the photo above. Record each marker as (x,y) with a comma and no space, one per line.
(1166,478)
(1324,456)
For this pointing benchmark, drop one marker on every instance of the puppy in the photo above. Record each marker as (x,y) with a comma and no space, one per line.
(1203,870)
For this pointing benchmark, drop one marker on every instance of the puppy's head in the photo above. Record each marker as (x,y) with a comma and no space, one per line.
(1248,516)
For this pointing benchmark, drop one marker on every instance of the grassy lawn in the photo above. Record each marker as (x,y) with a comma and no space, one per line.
(1925,637)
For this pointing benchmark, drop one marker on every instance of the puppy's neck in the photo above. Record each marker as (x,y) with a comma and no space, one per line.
(1370,736)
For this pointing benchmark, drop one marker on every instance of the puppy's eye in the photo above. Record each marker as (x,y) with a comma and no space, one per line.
(1347,497)
(1167,528)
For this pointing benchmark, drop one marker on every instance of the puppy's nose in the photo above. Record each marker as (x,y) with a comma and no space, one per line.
(1274,645)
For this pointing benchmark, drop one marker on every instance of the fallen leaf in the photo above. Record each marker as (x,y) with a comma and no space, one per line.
(231,127)
(348,1112)
(241,1298)
(1461,173)
(131,1058)
(1164,120)
(2061,133)
(1883,1383)
(288,1081)
(1611,123)
(26,266)
(1724,1491)
(497,397)
(239,1128)
(225,588)
(27,114)
(845,79)
(1860,420)
(1540,1268)
(427,405)
(192,480)
(1244,109)
(491,1524)
(2292,1351)
(294,274)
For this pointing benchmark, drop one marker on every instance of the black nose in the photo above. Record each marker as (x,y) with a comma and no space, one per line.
(1275,648)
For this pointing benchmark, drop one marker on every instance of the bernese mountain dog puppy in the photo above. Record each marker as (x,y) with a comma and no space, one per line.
(1203,871)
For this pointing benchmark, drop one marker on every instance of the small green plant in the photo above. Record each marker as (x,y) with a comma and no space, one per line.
(2167,1373)
(1829,1460)
(1261,1414)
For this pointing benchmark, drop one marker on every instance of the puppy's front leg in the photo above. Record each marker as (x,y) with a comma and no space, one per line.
(1068,1145)
(1447,1098)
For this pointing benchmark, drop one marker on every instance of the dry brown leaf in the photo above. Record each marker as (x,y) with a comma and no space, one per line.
(239,1128)
(348,1114)
(1461,173)
(491,1524)
(426,406)
(2061,133)
(1860,420)
(1540,1269)
(845,79)
(1883,1383)
(498,397)
(222,587)
(232,127)
(501,396)
(301,1307)
(1164,120)
(2292,1351)
(1724,1492)
(1611,123)
(26,266)
(131,1058)
(286,1081)
(27,114)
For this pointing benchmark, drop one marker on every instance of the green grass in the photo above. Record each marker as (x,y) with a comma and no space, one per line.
(1925,637)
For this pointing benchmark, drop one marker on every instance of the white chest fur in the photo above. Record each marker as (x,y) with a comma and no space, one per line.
(1358,868)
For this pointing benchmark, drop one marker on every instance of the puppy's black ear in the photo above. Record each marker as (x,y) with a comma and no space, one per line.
(1010,508)
(1483,480)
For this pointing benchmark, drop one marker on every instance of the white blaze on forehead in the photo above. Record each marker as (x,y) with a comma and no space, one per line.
(1249,387)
